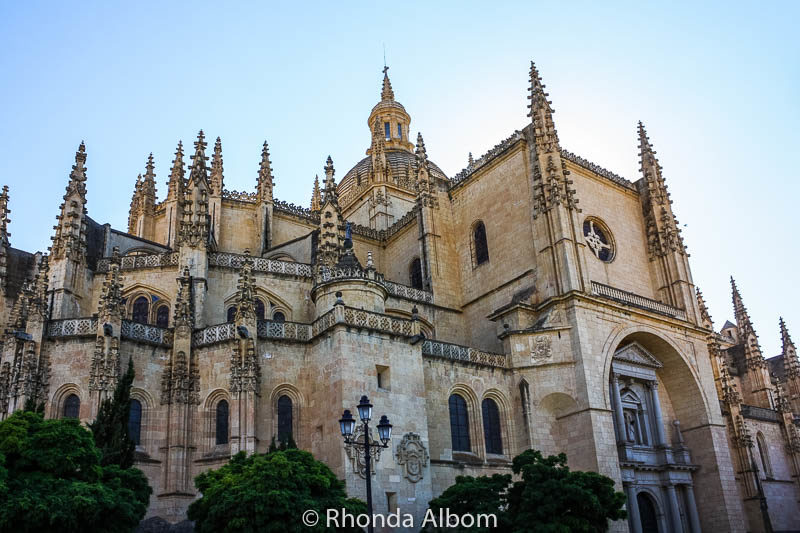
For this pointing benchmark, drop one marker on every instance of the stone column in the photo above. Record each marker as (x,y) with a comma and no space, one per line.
(694,519)
(674,510)
(622,435)
(634,521)
(653,385)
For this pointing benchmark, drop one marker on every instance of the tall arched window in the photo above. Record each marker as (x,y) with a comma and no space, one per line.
(141,310)
(231,316)
(260,311)
(72,406)
(222,422)
(415,273)
(135,422)
(162,317)
(459,423)
(763,452)
(491,426)
(284,418)
(479,243)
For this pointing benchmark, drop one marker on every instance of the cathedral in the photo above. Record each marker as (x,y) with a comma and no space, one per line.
(533,300)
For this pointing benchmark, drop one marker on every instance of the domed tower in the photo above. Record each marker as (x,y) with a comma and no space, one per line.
(381,188)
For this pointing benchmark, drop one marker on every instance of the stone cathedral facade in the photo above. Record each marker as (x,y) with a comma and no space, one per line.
(534,299)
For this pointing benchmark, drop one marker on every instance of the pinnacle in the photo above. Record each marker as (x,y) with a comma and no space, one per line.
(386,93)
(785,338)
(537,97)
(329,165)
(644,141)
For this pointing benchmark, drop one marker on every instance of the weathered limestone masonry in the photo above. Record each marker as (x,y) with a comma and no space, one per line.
(533,300)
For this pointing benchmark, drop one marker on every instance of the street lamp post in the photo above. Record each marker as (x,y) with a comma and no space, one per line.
(347,424)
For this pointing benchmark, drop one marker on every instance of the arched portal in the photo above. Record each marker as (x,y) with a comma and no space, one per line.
(648,514)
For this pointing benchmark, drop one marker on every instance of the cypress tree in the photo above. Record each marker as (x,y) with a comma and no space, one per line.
(110,428)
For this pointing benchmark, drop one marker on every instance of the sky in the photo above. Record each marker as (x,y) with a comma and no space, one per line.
(717,85)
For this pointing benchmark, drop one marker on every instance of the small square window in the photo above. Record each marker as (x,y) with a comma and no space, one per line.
(383,376)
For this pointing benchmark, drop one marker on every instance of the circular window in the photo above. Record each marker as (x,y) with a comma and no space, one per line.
(599,240)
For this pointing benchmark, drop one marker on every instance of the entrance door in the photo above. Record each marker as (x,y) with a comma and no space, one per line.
(647,513)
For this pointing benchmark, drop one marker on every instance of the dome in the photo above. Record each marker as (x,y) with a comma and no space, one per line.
(402,164)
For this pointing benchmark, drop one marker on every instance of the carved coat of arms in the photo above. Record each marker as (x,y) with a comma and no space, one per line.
(411,454)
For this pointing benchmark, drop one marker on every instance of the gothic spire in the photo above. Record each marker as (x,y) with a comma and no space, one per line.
(149,181)
(70,237)
(4,219)
(790,361)
(740,312)
(386,92)
(701,304)
(265,182)
(40,301)
(136,202)
(199,171)
(330,183)
(541,114)
(4,235)
(316,199)
(217,179)
(424,183)
(177,184)
(663,232)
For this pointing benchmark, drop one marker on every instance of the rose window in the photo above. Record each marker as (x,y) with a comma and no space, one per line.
(598,238)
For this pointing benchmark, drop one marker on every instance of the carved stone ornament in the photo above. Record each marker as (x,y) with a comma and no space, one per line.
(356,453)
(636,354)
(412,454)
(541,348)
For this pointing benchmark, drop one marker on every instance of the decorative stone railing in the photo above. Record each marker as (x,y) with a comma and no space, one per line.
(294,331)
(323,323)
(597,169)
(760,413)
(146,333)
(454,352)
(635,300)
(240,196)
(273,266)
(295,210)
(377,321)
(326,274)
(404,291)
(493,152)
(214,334)
(137,262)
(72,327)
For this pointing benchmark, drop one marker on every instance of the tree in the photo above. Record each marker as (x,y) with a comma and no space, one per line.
(549,497)
(51,479)
(110,428)
(268,493)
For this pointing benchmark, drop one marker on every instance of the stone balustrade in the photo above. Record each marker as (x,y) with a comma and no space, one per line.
(214,334)
(760,413)
(455,352)
(273,266)
(635,300)
(377,321)
(72,327)
(293,331)
(139,262)
(146,333)
(410,293)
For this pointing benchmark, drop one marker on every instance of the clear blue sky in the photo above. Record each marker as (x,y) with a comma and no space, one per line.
(717,85)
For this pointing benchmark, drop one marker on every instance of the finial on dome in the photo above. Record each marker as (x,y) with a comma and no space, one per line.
(387,93)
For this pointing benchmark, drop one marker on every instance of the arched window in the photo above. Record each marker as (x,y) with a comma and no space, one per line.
(162,317)
(479,242)
(459,423)
(222,422)
(284,418)
(278,316)
(141,310)
(72,406)
(135,422)
(763,452)
(491,426)
(415,273)
(231,314)
(260,311)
